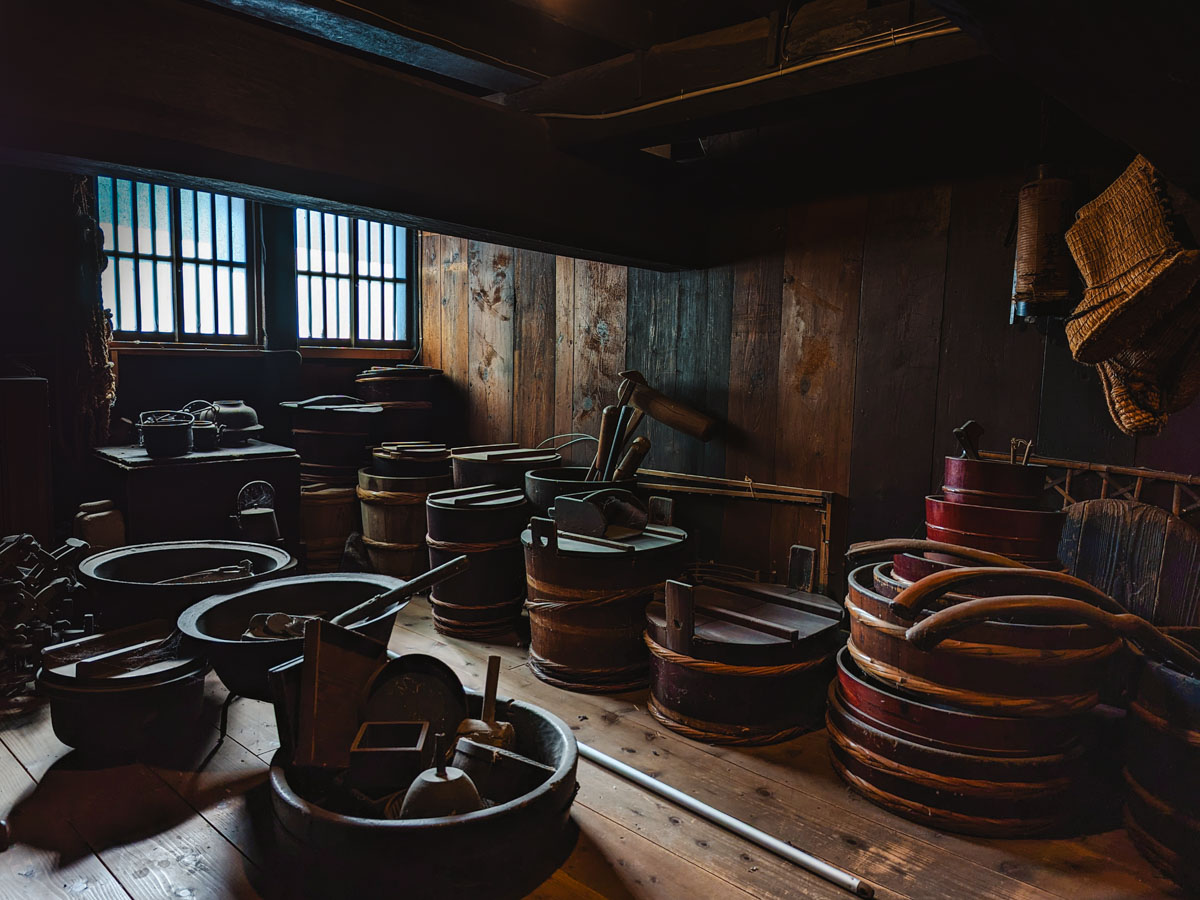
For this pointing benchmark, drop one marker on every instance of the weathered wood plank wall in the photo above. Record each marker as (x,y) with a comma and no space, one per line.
(841,351)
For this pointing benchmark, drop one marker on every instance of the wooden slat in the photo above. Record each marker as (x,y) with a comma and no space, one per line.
(904,268)
(999,388)
(533,347)
(430,245)
(564,362)
(654,349)
(456,328)
(599,340)
(712,358)
(753,387)
(822,271)
(490,349)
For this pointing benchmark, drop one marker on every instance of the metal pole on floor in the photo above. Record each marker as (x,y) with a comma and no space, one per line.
(840,877)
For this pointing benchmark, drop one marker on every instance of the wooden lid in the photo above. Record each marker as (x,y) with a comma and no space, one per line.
(486,496)
(507,453)
(391,372)
(749,623)
(655,538)
(416,451)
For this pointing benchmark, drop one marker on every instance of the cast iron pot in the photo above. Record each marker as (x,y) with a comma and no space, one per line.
(503,851)
(122,582)
(544,486)
(166,432)
(214,626)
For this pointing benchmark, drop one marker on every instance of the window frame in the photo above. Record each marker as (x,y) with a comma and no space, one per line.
(254,336)
(411,281)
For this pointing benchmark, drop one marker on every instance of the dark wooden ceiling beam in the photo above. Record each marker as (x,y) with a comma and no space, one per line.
(613,92)
(626,23)
(1131,70)
(493,45)
(172,86)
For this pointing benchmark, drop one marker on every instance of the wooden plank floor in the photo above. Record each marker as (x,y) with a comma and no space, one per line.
(187,831)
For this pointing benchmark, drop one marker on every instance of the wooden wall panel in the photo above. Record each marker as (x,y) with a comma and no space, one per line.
(709,363)
(900,315)
(599,341)
(822,272)
(533,347)
(753,388)
(564,360)
(999,387)
(490,351)
(653,347)
(431,298)
(455,326)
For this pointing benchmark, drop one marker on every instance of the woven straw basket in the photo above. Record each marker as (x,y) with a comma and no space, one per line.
(1134,264)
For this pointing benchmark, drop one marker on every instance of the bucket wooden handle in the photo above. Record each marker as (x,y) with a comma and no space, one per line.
(930,632)
(867,549)
(916,597)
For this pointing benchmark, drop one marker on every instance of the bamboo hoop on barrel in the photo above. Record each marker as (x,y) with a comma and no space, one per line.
(929,632)
(914,598)
(721,668)
(864,549)
(390,498)
(479,547)
(1002,652)
(1058,705)
(388,545)
(694,729)
(971,787)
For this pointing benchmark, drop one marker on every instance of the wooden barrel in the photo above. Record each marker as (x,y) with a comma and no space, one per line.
(393,518)
(740,663)
(483,523)
(328,515)
(1001,667)
(958,788)
(587,603)
(989,482)
(1162,771)
(1021,534)
(503,465)
(399,384)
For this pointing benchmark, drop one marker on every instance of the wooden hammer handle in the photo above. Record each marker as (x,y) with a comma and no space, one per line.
(672,413)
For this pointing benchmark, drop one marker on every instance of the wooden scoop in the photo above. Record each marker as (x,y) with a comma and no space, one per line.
(487,730)
(441,791)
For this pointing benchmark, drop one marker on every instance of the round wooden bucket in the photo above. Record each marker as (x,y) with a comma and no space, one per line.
(741,663)
(484,524)
(1000,667)
(967,790)
(328,515)
(393,518)
(587,602)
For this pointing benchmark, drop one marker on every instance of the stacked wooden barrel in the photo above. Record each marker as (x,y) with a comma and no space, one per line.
(738,662)
(1162,770)
(987,731)
(410,400)
(393,505)
(332,435)
(993,505)
(587,602)
(483,523)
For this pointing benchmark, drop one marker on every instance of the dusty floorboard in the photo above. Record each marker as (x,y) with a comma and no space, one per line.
(184,832)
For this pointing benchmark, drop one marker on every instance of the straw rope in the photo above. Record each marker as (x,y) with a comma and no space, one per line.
(475,631)
(720,668)
(515,601)
(1001,652)
(479,547)
(390,498)
(972,787)
(674,721)
(589,681)
(327,496)
(387,545)
(1059,705)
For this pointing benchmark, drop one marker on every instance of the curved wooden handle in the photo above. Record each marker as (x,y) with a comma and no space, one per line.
(673,413)
(931,631)
(920,595)
(891,546)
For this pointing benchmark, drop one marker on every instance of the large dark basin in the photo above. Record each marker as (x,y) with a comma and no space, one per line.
(214,626)
(122,582)
(499,852)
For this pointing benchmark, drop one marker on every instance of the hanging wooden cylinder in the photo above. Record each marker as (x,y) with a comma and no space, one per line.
(1042,272)
(328,515)
(393,518)
(740,662)
(587,602)
(484,524)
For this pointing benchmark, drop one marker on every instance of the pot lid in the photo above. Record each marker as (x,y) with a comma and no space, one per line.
(509,454)
(129,658)
(417,451)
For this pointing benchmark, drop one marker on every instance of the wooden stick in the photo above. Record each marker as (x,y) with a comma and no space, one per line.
(756,486)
